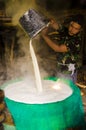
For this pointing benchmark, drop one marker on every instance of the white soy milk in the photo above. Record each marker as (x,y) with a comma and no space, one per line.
(36,68)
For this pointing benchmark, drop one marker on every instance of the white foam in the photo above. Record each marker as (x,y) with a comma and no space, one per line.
(25,91)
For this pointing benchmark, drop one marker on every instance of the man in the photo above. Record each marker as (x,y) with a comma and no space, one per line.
(66,42)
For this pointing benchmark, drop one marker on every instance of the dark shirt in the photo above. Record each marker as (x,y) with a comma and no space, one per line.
(73,44)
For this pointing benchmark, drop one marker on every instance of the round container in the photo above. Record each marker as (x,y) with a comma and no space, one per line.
(56,115)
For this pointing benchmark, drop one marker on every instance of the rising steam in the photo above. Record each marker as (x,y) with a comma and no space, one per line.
(20,65)
(16,8)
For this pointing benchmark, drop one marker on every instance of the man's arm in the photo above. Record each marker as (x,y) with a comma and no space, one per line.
(55,47)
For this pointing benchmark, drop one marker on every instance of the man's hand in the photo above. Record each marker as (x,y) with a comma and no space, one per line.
(44,32)
(54,24)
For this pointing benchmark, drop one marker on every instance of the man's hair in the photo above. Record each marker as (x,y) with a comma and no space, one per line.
(79,18)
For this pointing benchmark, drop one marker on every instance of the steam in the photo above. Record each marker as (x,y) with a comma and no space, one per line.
(16,8)
(21,64)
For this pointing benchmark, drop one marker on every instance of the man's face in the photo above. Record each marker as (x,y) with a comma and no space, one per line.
(74,28)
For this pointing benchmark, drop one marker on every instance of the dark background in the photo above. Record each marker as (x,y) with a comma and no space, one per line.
(51,6)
